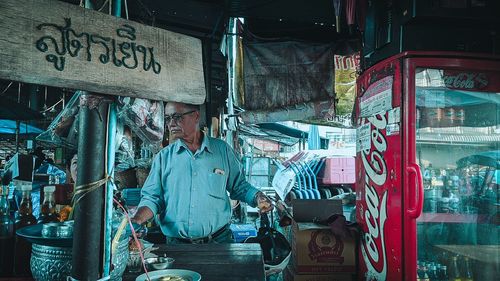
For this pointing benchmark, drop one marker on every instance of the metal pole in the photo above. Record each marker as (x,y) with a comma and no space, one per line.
(231,50)
(17,135)
(110,150)
(89,208)
(108,214)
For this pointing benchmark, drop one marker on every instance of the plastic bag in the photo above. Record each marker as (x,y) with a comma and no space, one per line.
(124,155)
(63,131)
(145,118)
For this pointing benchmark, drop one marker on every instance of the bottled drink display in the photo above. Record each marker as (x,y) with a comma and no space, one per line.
(454,272)
(6,235)
(48,210)
(23,247)
(457,150)
(468,276)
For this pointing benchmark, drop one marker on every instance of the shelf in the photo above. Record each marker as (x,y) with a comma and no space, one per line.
(451,218)
(482,253)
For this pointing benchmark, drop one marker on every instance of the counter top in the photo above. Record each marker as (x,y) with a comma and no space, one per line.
(215,262)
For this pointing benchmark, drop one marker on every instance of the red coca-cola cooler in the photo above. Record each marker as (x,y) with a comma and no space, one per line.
(427,167)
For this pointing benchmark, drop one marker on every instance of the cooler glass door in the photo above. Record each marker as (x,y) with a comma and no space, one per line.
(456,143)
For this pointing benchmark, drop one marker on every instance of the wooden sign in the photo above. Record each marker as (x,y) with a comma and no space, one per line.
(57,44)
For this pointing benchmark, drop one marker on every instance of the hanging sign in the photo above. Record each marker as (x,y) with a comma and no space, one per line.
(58,44)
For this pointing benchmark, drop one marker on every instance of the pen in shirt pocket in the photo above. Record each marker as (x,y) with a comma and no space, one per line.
(219,171)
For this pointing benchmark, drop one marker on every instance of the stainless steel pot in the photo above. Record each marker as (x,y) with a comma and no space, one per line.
(49,263)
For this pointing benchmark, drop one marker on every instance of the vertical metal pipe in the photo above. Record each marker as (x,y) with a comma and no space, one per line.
(117,8)
(232,51)
(17,135)
(89,209)
(110,150)
(108,216)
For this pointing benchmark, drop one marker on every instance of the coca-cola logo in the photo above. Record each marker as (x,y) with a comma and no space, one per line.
(466,80)
(375,215)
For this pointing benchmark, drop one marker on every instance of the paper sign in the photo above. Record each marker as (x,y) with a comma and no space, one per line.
(363,139)
(377,98)
(283,182)
(394,115)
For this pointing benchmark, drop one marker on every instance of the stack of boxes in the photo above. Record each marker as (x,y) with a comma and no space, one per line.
(317,253)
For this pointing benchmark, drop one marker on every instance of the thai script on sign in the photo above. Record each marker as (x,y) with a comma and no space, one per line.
(126,54)
(375,215)
(466,81)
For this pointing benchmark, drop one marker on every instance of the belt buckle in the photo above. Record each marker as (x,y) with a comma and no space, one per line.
(201,240)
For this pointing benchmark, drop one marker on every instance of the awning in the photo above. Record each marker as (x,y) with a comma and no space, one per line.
(277,132)
(9,127)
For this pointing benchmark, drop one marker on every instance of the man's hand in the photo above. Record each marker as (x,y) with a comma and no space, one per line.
(139,229)
(264,204)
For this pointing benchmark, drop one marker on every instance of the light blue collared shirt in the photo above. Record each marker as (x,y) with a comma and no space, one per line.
(189,191)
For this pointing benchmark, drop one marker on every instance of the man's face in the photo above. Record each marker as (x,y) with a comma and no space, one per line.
(73,167)
(183,121)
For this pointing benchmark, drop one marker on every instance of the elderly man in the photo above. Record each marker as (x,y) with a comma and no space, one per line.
(190,180)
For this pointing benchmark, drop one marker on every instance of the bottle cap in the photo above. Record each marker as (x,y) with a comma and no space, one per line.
(49,188)
(26,187)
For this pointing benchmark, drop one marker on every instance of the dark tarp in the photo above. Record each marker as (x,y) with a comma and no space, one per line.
(280,74)
(12,110)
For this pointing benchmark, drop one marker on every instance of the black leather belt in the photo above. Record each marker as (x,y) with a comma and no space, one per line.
(206,239)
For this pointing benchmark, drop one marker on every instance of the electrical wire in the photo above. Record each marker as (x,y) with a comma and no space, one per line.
(52,106)
(126,9)
(6,88)
(134,235)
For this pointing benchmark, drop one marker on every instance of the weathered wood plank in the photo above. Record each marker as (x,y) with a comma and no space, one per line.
(215,262)
(53,43)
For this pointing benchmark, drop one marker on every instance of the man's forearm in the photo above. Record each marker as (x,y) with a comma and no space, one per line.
(142,215)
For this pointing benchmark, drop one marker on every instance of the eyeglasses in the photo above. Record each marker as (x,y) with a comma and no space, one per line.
(176,117)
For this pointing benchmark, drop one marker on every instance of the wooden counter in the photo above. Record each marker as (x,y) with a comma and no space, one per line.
(215,262)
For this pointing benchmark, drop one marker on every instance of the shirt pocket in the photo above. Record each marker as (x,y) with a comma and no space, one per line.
(217,186)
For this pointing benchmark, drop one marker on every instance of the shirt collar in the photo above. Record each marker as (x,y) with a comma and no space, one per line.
(205,145)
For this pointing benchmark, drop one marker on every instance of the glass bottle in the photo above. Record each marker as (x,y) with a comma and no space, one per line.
(433,276)
(25,215)
(443,273)
(12,202)
(6,235)
(48,210)
(23,247)
(468,270)
(425,275)
(454,272)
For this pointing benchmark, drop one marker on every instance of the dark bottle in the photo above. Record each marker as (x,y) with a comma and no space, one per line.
(23,247)
(6,235)
(425,275)
(468,270)
(454,272)
(443,273)
(12,202)
(48,210)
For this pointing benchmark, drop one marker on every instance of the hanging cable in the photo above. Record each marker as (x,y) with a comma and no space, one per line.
(126,9)
(6,88)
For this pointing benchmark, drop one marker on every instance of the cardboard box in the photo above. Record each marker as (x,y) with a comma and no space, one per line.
(289,274)
(242,231)
(313,210)
(20,167)
(315,249)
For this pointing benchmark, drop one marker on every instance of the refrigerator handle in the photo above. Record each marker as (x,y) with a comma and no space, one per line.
(416,191)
